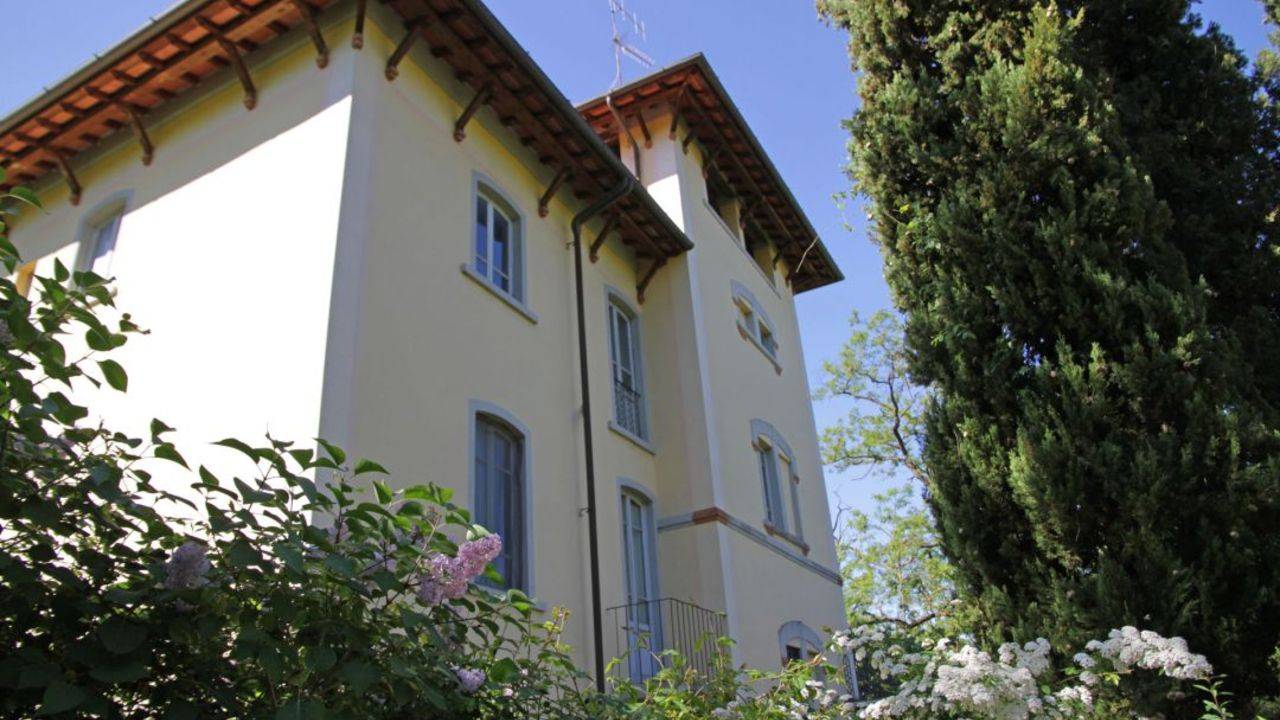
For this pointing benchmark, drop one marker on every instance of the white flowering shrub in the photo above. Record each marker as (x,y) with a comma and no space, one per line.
(269,595)
(1019,682)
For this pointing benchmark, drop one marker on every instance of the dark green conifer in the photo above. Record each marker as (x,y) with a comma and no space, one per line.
(1076,206)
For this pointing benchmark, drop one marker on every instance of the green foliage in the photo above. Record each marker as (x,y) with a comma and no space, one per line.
(681,690)
(1075,203)
(286,591)
(883,433)
(894,570)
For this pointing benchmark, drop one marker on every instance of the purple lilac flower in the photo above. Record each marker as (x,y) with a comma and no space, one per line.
(469,679)
(187,567)
(447,578)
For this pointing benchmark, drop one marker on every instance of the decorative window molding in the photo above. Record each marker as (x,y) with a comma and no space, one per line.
(798,642)
(754,324)
(99,234)
(497,242)
(626,363)
(500,459)
(780,483)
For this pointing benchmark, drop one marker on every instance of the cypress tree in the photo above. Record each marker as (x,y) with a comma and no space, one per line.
(1075,205)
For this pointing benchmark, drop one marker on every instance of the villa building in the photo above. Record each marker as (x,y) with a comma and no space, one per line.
(356,220)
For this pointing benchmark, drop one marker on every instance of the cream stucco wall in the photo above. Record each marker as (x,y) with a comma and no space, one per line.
(300,267)
(224,254)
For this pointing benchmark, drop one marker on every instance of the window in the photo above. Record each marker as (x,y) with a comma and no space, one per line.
(100,247)
(798,642)
(624,350)
(644,627)
(766,339)
(759,250)
(754,323)
(779,483)
(499,249)
(774,512)
(722,202)
(500,494)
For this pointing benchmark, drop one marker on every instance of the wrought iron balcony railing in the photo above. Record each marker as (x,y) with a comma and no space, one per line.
(643,631)
(629,409)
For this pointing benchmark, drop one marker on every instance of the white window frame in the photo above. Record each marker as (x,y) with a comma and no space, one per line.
(101,225)
(619,309)
(494,204)
(775,510)
(754,323)
(779,482)
(516,541)
(641,652)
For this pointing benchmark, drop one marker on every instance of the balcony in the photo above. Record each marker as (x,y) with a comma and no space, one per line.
(643,631)
(629,409)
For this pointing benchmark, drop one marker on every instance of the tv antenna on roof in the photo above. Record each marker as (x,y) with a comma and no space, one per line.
(627,26)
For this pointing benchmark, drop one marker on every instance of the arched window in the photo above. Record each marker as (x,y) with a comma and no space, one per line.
(798,642)
(498,252)
(640,584)
(779,480)
(500,493)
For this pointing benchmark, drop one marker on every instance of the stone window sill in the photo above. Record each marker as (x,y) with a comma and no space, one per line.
(636,440)
(751,338)
(501,294)
(783,534)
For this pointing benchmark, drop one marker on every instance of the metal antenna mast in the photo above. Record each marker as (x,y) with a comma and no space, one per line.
(627,26)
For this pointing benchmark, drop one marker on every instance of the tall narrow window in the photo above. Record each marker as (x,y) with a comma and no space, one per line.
(790,491)
(499,251)
(500,494)
(101,238)
(774,513)
(628,393)
(644,631)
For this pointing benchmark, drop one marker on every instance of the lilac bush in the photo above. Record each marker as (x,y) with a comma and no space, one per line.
(307,587)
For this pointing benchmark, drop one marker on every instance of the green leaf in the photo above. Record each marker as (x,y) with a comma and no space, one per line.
(235,444)
(60,697)
(121,636)
(505,670)
(158,428)
(359,675)
(291,556)
(299,709)
(60,272)
(365,465)
(319,658)
(384,493)
(27,196)
(166,451)
(114,374)
(334,451)
(126,673)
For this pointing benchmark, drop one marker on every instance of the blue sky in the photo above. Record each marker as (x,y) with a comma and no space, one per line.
(787,72)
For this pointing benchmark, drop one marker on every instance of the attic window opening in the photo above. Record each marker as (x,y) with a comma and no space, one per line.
(723,202)
(759,248)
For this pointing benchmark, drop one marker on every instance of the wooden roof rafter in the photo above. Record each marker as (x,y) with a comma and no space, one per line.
(456,36)
(702,111)
(156,65)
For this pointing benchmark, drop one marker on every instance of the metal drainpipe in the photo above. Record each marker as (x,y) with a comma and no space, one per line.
(593,542)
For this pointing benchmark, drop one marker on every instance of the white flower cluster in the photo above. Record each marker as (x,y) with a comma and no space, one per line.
(968,682)
(1130,647)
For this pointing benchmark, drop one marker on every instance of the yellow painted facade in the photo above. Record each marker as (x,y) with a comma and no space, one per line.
(301,266)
